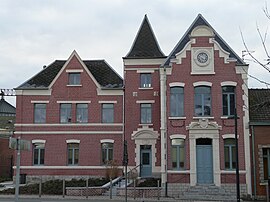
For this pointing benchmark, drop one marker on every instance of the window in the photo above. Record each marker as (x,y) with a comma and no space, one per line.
(176,101)
(73,153)
(107,152)
(178,154)
(65,113)
(107,113)
(202,101)
(38,153)
(39,113)
(228,99)
(146,80)
(229,154)
(266,163)
(74,78)
(146,113)
(82,113)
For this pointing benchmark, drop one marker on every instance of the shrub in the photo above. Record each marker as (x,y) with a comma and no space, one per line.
(149,182)
(55,187)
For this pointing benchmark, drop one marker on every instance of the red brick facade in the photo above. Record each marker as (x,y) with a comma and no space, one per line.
(149,143)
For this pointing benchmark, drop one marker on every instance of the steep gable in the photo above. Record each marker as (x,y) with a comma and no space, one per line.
(102,72)
(200,21)
(145,44)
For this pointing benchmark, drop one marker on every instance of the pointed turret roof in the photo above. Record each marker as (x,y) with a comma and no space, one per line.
(145,44)
(200,20)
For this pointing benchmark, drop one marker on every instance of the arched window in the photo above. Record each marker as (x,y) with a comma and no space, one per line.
(176,101)
(202,101)
(178,154)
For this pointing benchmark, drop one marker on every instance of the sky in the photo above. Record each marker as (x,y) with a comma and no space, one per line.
(34,33)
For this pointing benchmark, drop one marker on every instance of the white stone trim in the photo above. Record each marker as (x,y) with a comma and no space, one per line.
(158,61)
(228,83)
(145,136)
(110,92)
(222,53)
(177,136)
(202,83)
(40,101)
(74,70)
(74,85)
(204,129)
(202,30)
(227,136)
(68,132)
(106,141)
(34,92)
(73,141)
(145,70)
(67,124)
(182,54)
(145,101)
(38,141)
(178,171)
(107,102)
(233,171)
(73,101)
(64,167)
(177,84)
(177,118)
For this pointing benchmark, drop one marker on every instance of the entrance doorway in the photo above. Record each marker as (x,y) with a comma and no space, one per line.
(204,161)
(146,161)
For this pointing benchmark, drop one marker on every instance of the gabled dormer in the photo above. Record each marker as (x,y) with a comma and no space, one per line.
(71,71)
(145,48)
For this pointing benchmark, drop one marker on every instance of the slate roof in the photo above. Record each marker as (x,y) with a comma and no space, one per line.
(185,39)
(259,105)
(145,44)
(100,69)
(6,109)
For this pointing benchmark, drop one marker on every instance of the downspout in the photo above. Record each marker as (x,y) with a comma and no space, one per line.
(254,162)
(163,132)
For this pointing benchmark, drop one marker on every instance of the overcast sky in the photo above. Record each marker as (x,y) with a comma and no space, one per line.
(34,33)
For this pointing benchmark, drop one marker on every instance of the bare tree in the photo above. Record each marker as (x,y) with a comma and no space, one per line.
(265,63)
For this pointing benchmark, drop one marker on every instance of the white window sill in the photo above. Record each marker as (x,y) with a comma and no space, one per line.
(203,117)
(178,171)
(146,88)
(145,124)
(79,85)
(177,117)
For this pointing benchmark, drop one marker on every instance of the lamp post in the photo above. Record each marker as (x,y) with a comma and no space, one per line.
(235,117)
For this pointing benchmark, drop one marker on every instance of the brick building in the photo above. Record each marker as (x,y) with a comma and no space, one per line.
(173,111)
(7,120)
(259,113)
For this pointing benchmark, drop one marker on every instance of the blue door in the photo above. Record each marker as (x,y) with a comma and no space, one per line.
(204,159)
(146,159)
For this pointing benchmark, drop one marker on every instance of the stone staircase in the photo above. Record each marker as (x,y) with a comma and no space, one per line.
(207,192)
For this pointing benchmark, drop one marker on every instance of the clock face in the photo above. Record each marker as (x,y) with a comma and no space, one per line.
(202,57)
